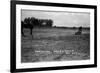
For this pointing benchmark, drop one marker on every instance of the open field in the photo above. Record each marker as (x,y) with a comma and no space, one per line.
(55,44)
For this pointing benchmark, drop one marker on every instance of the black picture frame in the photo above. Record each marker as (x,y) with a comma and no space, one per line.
(13,35)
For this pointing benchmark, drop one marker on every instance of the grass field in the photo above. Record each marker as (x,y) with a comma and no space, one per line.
(55,44)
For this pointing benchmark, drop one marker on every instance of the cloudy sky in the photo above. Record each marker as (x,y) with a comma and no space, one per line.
(66,19)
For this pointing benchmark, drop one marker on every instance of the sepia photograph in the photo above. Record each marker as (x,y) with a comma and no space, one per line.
(54,36)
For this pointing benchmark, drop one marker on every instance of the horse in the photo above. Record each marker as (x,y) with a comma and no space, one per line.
(79,32)
(29,26)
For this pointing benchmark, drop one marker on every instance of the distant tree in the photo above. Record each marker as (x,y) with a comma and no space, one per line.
(27,20)
(49,23)
(31,22)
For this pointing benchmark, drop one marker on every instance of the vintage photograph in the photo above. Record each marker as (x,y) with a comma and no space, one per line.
(48,36)
(52,36)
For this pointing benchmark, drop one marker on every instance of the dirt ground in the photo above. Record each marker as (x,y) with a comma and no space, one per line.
(55,44)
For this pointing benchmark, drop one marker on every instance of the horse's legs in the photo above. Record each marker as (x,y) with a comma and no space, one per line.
(31,33)
(22,32)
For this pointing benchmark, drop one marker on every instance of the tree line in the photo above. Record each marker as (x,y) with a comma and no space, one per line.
(35,22)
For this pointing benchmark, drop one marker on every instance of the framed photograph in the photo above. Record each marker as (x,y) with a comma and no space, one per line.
(52,36)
